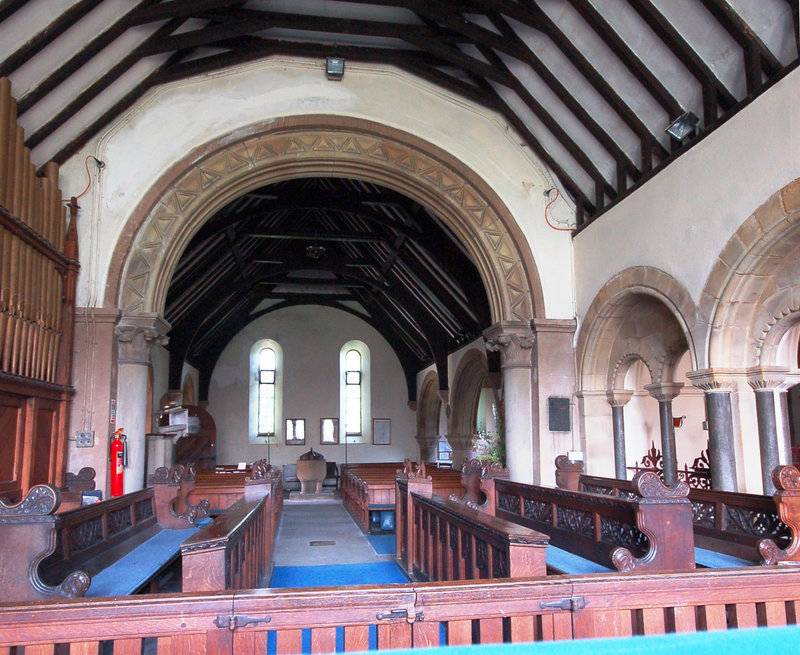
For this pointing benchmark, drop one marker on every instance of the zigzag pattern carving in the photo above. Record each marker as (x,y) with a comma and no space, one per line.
(193,190)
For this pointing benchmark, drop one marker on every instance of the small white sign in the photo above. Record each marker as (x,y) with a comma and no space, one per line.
(575,455)
(242,466)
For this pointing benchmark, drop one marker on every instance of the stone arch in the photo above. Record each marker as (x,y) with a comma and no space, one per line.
(752,296)
(204,181)
(663,315)
(428,407)
(188,392)
(471,376)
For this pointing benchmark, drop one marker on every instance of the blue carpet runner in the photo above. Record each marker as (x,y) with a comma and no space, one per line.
(337,575)
(382,543)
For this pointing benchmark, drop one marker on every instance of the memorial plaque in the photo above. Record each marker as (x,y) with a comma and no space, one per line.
(559,414)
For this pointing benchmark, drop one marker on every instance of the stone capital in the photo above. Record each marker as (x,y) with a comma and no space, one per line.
(665,391)
(768,378)
(715,380)
(513,340)
(137,334)
(444,396)
(619,397)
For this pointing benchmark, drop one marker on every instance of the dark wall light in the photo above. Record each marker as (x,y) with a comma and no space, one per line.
(334,68)
(682,126)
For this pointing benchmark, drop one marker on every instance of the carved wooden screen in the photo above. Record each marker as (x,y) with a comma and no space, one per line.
(38,269)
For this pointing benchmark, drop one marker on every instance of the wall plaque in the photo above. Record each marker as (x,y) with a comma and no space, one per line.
(559,414)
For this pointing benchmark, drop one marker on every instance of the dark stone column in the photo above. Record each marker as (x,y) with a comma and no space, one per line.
(664,393)
(764,382)
(618,399)
(718,386)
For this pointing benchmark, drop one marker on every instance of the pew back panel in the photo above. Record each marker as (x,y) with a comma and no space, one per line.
(414,615)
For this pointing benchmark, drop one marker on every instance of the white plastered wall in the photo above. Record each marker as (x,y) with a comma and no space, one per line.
(681,220)
(175,119)
(310,339)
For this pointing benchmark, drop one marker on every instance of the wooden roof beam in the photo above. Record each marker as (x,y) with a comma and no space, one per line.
(687,56)
(532,15)
(46,36)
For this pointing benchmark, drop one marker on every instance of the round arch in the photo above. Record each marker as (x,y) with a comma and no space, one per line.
(664,313)
(204,181)
(470,378)
(752,297)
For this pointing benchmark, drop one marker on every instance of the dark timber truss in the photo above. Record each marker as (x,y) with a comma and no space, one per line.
(589,85)
(336,242)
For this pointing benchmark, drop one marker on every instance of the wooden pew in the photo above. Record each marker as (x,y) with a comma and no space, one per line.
(27,536)
(594,532)
(731,528)
(100,538)
(442,539)
(235,550)
(419,615)
(369,488)
(224,487)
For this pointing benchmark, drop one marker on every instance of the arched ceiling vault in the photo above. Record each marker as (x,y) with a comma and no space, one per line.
(589,85)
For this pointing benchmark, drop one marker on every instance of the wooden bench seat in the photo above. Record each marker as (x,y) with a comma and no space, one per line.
(652,531)
(224,487)
(732,529)
(234,551)
(133,571)
(45,553)
(370,488)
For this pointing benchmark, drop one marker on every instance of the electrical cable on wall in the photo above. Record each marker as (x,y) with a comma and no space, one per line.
(100,164)
(90,326)
(547,220)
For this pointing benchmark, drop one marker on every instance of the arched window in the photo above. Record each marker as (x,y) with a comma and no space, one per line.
(354,395)
(266,392)
(352,392)
(266,382)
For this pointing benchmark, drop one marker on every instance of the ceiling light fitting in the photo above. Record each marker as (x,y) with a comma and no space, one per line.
(334,68)
(682,126)
(315,251)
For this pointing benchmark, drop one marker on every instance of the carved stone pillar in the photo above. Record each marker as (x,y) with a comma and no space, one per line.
(514,341)
(462,448)
(427,447)
(718,385)
(136,335)
(664,393)
(765,380)
(618,398)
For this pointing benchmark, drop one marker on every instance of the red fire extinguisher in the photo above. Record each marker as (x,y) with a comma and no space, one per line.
(119,459)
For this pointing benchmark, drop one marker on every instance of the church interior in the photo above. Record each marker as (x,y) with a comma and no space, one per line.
(507,287)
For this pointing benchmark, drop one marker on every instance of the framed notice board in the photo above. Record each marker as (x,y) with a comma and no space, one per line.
(558,414)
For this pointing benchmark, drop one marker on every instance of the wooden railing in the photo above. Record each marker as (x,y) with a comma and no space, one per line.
(235,550)
(734,523)
(651,532)
(411,616)
(442,539)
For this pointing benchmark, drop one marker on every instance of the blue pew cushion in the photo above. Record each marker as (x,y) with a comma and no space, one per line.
(714,560)
(570,563)
(130,573)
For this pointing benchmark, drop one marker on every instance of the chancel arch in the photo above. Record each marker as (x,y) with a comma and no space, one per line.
(203,182)
(303,147)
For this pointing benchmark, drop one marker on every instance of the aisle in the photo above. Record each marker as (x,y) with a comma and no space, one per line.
(318,544)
